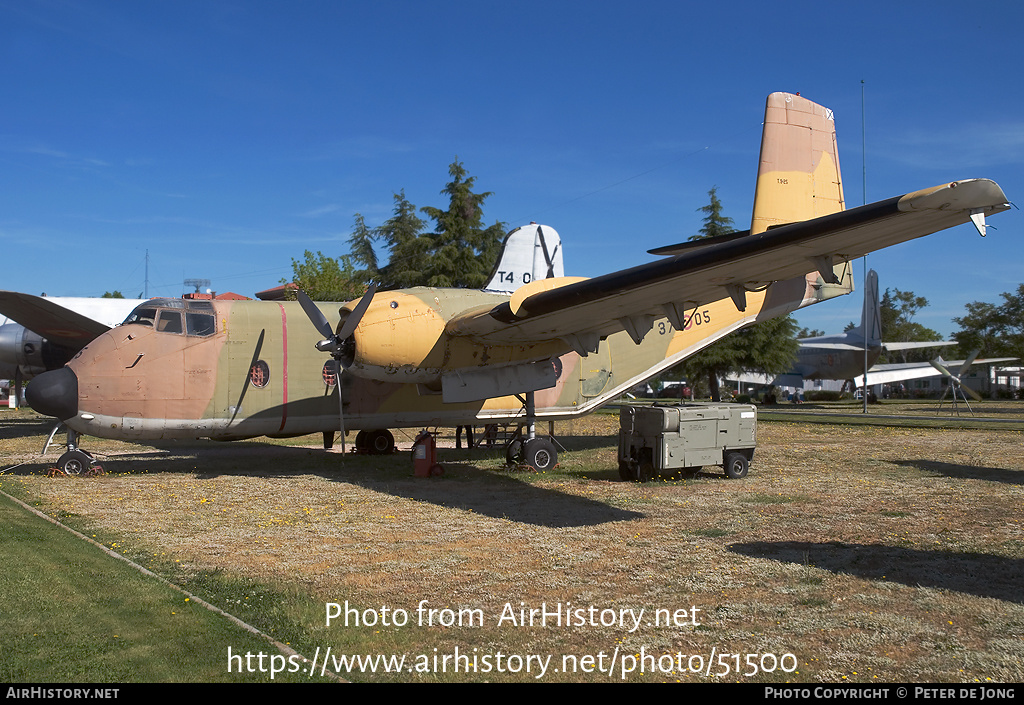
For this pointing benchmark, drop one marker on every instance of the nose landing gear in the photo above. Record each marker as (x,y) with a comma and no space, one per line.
(74,461)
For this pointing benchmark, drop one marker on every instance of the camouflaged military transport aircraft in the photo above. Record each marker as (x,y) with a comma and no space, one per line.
(554,348)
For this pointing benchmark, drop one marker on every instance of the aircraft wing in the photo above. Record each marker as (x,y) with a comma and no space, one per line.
(903,371)
(595,308)
(54,322)
(915,346)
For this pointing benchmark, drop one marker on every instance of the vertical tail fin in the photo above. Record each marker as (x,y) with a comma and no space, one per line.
(529,253)
(871,319)
(798,175)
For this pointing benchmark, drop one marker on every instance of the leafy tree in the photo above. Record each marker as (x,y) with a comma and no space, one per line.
(115,294)
(995,329)
(326,278)
(768,347)
(897,310)
(806,332)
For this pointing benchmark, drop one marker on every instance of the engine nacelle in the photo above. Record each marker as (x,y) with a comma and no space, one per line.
(402,338)
(399,339)
(29,351)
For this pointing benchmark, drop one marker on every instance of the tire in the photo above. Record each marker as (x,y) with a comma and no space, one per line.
(361,446)
(380,442)
(736,466)
(75,462)
(625,472)
(645,471)
(514,451)
(540,454)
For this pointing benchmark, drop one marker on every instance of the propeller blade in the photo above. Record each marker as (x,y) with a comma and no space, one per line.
(331,342)
(357,313)
(969,361)
(341,402)
(248,374)
(939,364)
(315,315)
(974,394)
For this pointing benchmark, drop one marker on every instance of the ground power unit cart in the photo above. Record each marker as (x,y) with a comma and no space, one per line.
(664,439)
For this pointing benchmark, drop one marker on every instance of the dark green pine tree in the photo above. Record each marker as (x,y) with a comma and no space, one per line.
(715,223)
(463,252)
(360,250)
(768,347)
(408,248)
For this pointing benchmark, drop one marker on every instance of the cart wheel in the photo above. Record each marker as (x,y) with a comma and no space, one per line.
(736,466)
(646,471)
(625,472)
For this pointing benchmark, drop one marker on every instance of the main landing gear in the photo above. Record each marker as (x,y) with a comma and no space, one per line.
(378,442)
(536,451)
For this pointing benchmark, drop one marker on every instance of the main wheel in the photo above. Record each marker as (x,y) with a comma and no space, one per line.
(514,451)
(736,466)
(540,454)
(380,442)
(74,462)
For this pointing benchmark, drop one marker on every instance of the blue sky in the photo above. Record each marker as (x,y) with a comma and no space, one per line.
(226,138)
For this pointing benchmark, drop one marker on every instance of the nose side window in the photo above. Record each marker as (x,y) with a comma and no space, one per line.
(200,324)
(170,322)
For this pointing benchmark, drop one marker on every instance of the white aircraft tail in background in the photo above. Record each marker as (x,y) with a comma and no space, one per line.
(529,253)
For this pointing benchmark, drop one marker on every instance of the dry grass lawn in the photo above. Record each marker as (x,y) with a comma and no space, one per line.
(869,554)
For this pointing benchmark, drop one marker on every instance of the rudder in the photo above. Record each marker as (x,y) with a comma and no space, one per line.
(798,175)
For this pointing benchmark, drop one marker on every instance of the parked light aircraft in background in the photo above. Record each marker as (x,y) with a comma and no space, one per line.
(555,348)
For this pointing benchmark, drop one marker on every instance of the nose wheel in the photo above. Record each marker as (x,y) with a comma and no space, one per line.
(75,462)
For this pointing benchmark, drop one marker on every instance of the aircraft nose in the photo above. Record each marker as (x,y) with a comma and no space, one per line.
(54,393)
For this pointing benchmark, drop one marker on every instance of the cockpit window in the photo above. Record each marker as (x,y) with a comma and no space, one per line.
(145,315)
(200,323)
(166,316)
(170,322)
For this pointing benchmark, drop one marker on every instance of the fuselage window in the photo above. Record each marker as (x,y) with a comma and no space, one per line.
(330,373)
(259,374)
